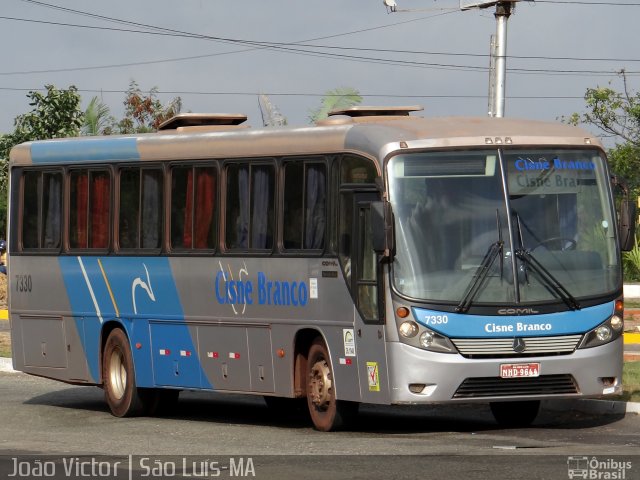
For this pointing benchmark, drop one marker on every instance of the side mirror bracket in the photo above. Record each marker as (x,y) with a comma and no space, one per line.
(382,228)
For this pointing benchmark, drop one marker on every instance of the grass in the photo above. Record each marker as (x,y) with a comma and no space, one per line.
(5,344)
(632,303)
(631,382)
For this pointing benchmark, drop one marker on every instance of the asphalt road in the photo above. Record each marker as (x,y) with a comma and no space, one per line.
(41,417)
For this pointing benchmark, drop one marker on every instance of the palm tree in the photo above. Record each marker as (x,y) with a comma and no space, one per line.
(97,119)
(339,98)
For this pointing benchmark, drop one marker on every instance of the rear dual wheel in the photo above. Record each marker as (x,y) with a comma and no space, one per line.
(327,413)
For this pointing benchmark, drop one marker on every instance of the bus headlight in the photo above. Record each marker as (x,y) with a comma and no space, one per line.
(426,339)
(616,323)
(604,333)
(409,329)
(419,336)
(434,342)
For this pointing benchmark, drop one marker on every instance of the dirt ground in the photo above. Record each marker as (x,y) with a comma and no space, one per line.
(3,292)
(5,339)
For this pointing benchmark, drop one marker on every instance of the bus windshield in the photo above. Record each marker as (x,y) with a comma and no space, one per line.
(458,230)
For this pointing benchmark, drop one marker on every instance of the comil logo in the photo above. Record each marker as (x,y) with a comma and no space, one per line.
(595,468)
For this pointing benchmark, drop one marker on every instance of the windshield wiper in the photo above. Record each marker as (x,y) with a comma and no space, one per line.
(481,273)
(550,282)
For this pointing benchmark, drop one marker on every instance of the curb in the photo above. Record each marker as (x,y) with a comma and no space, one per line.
(601,407)
(6,365)
(630,338)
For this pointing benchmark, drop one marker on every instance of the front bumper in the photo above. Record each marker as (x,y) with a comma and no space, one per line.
(442,374)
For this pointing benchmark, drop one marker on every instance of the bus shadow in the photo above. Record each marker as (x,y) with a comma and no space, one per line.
(375,419)
(81,398)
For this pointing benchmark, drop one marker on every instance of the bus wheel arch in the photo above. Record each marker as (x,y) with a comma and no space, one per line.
(107,328)
(302,343)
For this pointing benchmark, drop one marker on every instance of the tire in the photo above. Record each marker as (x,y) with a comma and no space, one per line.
(515,414)
(118,377)
(326,412)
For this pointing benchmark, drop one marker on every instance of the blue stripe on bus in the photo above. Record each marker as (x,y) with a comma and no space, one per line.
(102,289)
(89,149)
(456,325)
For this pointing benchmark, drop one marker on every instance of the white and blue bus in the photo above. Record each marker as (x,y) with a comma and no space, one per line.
(377,257)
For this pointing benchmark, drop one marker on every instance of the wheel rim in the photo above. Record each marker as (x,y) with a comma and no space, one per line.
(320,385)
(117,374)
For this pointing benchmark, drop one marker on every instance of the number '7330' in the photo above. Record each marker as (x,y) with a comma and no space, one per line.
(23,283)
(436,319)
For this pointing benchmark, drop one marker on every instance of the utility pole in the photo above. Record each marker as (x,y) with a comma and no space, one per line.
(498,57)
(492,76)
(503,11)
(498,62)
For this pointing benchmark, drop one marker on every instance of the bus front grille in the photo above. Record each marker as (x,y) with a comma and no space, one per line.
(504,347)
(510,387)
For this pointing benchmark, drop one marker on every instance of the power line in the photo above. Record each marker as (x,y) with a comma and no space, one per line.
(310,94)
(289,48)
(579,2)
(332,47)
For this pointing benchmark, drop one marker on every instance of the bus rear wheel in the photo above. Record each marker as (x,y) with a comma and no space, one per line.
(326,412)
(120,391)
(515,414)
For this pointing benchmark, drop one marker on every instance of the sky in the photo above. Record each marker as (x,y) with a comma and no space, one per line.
(213,53)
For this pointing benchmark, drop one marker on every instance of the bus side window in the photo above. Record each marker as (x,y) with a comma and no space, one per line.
(250,206)
(367,268)
(140,224)
(357,170)
(90,205)
(304,206)
(41,209)
(345,231)
(30,209)
(193,207)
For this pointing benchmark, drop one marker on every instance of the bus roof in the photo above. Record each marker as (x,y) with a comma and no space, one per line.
(374,136)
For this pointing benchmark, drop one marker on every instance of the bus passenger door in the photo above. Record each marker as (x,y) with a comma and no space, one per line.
(365,284)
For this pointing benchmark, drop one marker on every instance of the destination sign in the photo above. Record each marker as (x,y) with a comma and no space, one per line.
(529,176)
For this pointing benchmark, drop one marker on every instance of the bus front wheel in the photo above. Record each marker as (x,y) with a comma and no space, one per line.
(326,412)
(515,414)
(118,376)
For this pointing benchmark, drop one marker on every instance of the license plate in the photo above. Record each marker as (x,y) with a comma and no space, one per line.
(518,370)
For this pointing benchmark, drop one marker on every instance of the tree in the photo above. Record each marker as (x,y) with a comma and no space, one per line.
(341,97)
(55,114)
(617,115)
(145,113)
(98,119)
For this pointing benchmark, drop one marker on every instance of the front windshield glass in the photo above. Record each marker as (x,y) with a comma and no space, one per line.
(451,217)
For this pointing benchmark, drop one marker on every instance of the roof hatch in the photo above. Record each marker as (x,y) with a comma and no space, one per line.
(362,114)
(204,121)
(361,111)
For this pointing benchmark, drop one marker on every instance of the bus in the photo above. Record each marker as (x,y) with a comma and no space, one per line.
(376,257)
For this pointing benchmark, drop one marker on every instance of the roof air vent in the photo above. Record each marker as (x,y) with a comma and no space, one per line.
(361,111)
(204,121)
